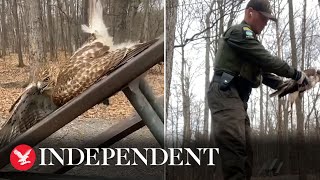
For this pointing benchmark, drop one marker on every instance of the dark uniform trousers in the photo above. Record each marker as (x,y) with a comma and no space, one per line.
(231,130)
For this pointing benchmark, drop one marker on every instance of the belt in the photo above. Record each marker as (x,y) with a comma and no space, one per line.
(242,86)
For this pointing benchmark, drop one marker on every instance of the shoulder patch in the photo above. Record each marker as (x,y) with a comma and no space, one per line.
(248,33)
(246,28)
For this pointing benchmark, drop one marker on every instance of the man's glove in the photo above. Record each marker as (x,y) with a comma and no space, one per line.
(302,79)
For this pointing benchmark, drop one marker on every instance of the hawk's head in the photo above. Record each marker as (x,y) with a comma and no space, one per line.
(46,77)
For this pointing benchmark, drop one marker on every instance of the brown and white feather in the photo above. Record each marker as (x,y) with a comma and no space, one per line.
(83,71)
(292,88)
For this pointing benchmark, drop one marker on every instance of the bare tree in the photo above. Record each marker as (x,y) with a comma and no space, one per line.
(299,111)
(3,28)
(36,49)
(183,24)
(133,11)
(50,30)
(144,31)
(171,11)
(207,72)
(261,112)
(120,25)
(18,35)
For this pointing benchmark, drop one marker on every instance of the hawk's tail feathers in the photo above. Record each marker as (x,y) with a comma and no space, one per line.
(96,24)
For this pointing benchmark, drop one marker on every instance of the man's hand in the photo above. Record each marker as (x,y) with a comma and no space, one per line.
(303,80)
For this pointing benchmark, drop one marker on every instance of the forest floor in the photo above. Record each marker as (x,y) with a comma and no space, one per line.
(13,78)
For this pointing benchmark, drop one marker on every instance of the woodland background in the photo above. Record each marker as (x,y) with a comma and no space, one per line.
(55,24)
(290,133)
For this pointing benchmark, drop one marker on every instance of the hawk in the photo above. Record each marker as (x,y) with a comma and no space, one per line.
(292,88)
(54,87)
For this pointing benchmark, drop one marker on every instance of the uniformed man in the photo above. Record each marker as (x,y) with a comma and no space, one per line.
(242,63)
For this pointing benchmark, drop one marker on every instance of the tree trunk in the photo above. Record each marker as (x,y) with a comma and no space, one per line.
(69,31)
(50,31)
(177,127)
(221,14)
(261,113)
(133,10)
(266,111)
(63,39)
(72,25)
(35,38)
(171,21)
(4,28)
(18,35)
(299,113)
(207,74)
(303,44)
(120,18)
(23,28)
(43,27)
(85,6)
(144,33)
(185,93)
(303,34)
(185,85)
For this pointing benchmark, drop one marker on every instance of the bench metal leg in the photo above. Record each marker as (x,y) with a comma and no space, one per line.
(148,93)
(145,111)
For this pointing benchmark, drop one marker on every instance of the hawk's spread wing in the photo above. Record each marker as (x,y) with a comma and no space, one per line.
(291,86)
(31,107)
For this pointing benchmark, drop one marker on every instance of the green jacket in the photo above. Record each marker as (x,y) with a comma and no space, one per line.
(240,53)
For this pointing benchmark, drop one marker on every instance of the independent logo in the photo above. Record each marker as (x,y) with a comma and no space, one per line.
(22,157)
